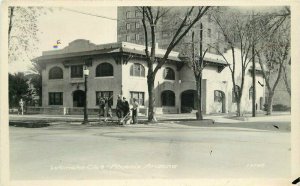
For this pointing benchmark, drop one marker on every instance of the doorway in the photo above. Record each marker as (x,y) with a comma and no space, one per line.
(78,98)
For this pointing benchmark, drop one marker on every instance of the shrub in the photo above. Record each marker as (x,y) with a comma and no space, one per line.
(280,107)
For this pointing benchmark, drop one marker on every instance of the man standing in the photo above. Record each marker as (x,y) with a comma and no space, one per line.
(119,108)
(135,106)
(125,106)
(101,106)
(21,108)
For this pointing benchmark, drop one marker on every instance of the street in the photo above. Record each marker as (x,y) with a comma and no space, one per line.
(163,150)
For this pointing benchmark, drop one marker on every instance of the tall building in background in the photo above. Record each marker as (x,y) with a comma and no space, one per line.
(130,29)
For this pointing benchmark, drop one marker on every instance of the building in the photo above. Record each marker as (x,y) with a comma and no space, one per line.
(130,29)
(120,68)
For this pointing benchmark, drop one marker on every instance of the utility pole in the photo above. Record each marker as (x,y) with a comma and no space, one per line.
(253,73)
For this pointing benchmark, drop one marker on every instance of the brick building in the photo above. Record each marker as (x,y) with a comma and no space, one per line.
(130,29)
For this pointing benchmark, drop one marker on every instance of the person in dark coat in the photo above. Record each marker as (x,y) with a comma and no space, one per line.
(119,107)
(125,106)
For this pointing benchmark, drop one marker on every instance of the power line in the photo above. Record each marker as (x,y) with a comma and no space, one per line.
(95,15)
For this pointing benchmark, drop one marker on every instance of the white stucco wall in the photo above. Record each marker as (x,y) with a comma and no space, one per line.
(122,82)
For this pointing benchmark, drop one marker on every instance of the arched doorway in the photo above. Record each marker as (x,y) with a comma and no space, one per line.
(78,98)
(188,100)
(219,99)
(168,98)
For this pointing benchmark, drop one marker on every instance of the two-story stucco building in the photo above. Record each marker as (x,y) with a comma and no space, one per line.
(121,68)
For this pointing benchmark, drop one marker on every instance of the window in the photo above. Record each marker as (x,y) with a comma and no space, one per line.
(218,96)
(127,37)
(209,17)
(56,73)
(237,89)
(218,47)
(219,35)
(138,14)
(139,96)
(77,71)
(104,69)
(250,92)
(128,14)
(55,98)
(137,25)
(137,37)
(169,74)
(165,35)
(137,70)
(164,19)
(128,26)
(168,98)
(104,94)
(209,32)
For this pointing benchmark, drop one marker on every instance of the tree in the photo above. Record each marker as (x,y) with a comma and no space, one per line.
(22,31)
(273,56)
(18,89)
(285,77)
(150,18)
(36,80)
(236,29)
(197,65)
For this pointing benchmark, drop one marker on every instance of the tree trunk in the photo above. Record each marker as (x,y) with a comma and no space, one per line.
(238,108)
(253,84)
(270,103)
(199,92)
(10,22)
(285,79)
(150,81)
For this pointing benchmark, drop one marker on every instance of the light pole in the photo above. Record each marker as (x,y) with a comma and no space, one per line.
(85,115)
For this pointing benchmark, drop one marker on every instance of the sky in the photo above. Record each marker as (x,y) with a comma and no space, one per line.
(66,26)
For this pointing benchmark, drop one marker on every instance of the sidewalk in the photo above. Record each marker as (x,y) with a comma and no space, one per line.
(218,118)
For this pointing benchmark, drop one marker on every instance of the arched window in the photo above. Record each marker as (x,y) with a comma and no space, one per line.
(237,89)
(168,98)
(250,92)
(169,74)
(56,73)
(104,69)
(137,70)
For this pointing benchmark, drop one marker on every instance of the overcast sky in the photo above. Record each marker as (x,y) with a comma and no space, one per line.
(67,26)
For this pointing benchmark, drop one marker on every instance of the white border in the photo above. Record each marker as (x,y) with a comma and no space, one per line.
(295,100)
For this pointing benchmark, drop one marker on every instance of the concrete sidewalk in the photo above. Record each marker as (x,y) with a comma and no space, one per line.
(218,118)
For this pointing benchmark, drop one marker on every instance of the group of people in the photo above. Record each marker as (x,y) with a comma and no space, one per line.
(122,109)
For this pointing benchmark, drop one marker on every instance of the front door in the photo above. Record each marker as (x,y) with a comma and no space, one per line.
(78,98)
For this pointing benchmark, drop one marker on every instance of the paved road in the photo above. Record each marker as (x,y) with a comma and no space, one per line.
(71,151)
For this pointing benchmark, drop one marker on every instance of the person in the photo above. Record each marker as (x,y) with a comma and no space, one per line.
(125,106)
(119,108)
(107,108)
(21,107)
(101,106)
(126,113)
(135,107)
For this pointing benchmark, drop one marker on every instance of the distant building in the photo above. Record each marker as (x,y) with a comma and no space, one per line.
(120,68)
(130,29)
